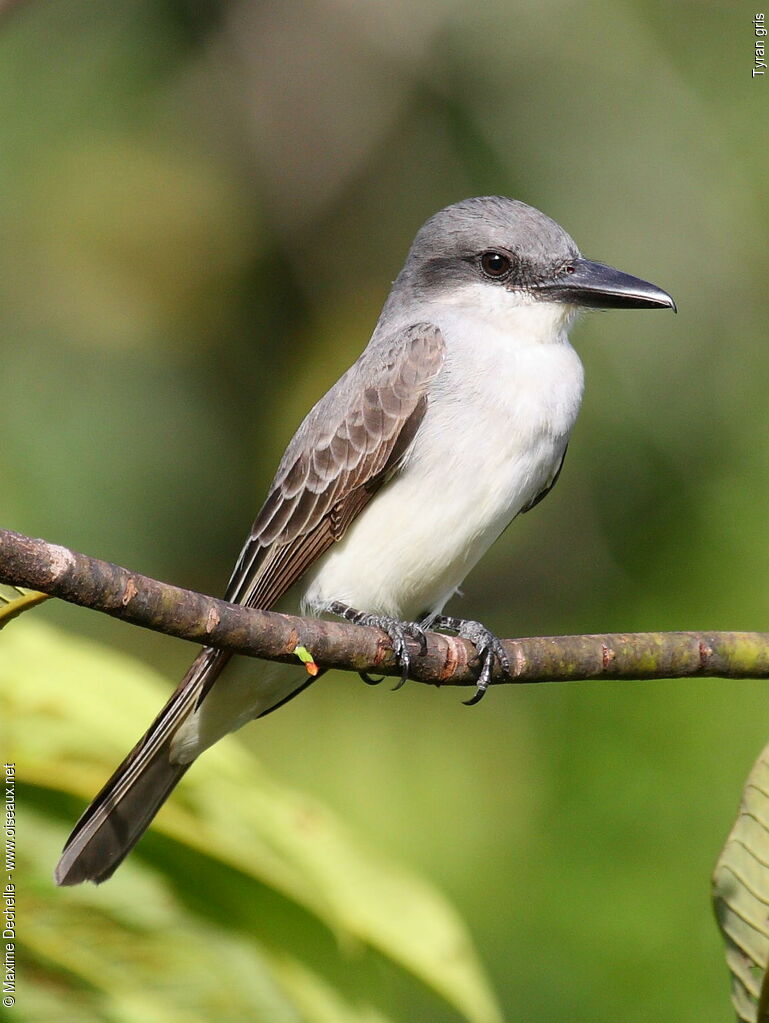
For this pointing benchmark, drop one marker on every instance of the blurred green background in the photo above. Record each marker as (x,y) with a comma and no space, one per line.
(203,205)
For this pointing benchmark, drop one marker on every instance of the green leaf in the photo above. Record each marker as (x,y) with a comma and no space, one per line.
(317,1000)
(741,896)
(75,708)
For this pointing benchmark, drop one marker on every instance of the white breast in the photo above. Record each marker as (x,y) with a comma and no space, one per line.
(498,421)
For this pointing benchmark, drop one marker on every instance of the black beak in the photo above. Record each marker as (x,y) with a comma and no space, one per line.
(595,286)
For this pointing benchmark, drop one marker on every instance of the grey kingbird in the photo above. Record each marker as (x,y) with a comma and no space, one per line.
(454,419)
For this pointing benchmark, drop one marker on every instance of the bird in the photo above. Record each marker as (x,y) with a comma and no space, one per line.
(454,419)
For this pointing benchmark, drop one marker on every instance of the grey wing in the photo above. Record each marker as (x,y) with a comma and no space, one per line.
(350,443)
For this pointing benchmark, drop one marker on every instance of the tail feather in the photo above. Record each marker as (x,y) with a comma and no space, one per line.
(123,810)
(94,851)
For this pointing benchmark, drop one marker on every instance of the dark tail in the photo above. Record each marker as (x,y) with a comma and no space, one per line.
(125,807)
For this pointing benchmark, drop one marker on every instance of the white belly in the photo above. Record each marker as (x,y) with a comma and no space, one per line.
(493,437)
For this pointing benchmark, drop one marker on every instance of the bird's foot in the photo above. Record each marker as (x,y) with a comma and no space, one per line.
(396,630)
(488,647)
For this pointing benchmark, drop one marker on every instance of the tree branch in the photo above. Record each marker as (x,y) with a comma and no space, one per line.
(185,614)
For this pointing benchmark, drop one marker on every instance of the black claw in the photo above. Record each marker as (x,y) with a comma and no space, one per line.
(369,679)
(480,692)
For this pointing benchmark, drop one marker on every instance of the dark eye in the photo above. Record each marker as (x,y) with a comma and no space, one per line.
(496,264)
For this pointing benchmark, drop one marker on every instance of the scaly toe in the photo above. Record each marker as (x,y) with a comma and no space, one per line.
(499,652)
(488,649)
(487,654)
(397,632)
(418,633)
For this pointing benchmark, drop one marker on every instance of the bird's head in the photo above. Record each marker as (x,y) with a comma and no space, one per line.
(499,252)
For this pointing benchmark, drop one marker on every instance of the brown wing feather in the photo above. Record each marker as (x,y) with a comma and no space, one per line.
(348,445)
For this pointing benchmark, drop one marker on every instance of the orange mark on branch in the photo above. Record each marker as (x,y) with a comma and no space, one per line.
(608,656)
(307,659)
(705,652)
(129,593)
(451,662)
(519,661)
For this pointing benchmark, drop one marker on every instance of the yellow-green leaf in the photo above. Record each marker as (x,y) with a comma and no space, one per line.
(14,600)
(741,897)
(75,708)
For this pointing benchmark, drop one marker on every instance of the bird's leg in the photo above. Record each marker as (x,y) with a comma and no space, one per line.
(396,630)
(486,644)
